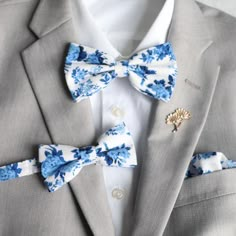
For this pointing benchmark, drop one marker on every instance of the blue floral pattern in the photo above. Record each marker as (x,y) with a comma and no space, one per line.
(73,55)
(117,130)
(142,72)
(160,88)
(78,74)
(61,163)
(208,162)
(85,89)
(18,169)
(114,156)
(152,71)
(8,172)
(83,154)
(95,58)
(54,158)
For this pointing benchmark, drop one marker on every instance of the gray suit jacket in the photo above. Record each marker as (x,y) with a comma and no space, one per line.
(35,108)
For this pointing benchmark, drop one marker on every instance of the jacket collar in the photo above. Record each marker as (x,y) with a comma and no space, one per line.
(49,15)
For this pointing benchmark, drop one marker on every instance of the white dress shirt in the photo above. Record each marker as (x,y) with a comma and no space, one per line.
(122,28)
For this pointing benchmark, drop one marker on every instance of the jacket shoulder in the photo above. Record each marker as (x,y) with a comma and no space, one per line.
(222,27)
(216,14)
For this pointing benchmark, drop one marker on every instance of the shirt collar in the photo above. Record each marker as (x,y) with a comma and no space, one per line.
(157,33)
(89,33)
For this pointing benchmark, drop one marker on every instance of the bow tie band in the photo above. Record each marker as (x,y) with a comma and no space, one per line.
(59,164)
(151,71)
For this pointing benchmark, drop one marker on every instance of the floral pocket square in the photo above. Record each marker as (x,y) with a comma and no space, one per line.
(208,162)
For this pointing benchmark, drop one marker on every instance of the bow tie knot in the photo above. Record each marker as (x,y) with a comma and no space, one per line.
(121,68)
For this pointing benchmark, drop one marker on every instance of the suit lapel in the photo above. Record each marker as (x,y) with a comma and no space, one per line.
(67,122)
(168,154)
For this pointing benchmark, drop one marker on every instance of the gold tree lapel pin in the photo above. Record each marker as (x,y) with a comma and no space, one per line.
(177,117)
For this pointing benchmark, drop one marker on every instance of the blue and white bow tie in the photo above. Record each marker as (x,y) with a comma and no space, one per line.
(59,164)
(151,71)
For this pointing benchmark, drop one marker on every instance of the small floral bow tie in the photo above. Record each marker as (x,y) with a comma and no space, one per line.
(151,71)
(59,164)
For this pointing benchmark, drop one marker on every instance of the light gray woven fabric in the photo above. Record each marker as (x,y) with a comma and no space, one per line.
(36,108)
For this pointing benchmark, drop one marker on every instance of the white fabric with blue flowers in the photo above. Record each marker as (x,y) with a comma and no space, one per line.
(208,162)
(59,164)
(19,169)
(151,71)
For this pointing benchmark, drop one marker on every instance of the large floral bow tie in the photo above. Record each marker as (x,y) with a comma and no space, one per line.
(59,164)
(151,71)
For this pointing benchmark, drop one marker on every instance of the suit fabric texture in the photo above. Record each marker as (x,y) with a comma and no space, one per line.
(36,107)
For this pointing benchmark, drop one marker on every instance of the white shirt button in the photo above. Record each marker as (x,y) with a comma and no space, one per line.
(117,112)
(118,193)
